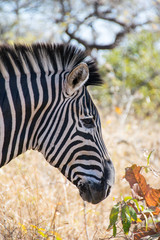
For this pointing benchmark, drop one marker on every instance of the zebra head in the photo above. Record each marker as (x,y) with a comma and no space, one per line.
(45,105)
(76,147)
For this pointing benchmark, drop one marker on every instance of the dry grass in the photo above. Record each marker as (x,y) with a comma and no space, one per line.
(37,202)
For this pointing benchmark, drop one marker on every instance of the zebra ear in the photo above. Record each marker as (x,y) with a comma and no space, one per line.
(77,78)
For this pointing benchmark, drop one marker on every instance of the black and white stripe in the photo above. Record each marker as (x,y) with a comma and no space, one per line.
(45,105)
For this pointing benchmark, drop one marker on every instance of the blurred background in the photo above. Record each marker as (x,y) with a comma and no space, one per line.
(123,36)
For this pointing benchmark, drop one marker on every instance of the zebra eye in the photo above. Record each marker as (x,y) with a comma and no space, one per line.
(88,122)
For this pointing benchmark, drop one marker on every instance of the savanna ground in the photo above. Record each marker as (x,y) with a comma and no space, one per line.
(37,202)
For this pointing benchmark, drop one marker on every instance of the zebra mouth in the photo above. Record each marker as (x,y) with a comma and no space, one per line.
(94,192)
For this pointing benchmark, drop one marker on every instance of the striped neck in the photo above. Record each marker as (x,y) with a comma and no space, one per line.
(25,102)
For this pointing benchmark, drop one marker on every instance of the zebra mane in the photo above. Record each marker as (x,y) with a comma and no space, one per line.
(45,57)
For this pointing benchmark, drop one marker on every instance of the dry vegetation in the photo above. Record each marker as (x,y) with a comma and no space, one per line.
(37,202)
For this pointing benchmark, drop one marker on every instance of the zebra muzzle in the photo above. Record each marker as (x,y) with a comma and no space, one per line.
(94,192)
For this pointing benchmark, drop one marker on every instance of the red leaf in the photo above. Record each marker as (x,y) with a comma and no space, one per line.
(138,234)
(141,190)
(143,233)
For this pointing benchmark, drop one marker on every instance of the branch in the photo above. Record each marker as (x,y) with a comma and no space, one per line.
(97,13)
(112,19)
(118,37)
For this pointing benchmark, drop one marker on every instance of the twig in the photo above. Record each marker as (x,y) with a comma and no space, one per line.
(127,110)
(85,221)
(52,224)
(65,193)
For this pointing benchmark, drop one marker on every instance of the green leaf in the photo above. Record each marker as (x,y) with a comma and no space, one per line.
(114,215)
(127,198)
(114,230)
(142,208)
(148,158)
(126,224)
(146,221)
(146,169)
(133,213)
(126,219)
(148,210)
(123,212)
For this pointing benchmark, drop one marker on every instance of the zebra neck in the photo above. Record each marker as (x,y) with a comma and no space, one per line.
(25,104)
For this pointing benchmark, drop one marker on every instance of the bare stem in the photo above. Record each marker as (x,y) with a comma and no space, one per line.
(85,221)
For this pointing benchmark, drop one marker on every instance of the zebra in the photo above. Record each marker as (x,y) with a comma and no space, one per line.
(45,106)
